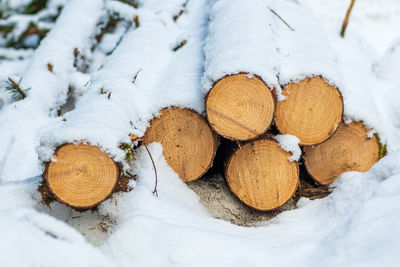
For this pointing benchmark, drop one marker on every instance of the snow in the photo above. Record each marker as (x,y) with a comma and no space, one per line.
(388,66)
(289,143)
(356,225)
(47,90)
(304,50)
(174,229)
(376,106)
(376,21)
(240,40)
(279,41)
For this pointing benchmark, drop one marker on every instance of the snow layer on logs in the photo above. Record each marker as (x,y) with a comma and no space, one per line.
(147,72)
(377,105)
(21,121)
(304,50)
(240,39)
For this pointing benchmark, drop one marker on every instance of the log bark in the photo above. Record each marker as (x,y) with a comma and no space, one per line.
(260,174)
(312,110)
(189,146)
(81,176)
(239,107)
(349,149)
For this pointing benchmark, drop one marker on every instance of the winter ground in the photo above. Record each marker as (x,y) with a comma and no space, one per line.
(356,225)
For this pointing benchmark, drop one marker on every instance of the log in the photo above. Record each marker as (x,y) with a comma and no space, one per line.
(189,146)
(239,107)
(349,149)
(312,110)
(81,176)
(240,69)
(261,175)
(311,107)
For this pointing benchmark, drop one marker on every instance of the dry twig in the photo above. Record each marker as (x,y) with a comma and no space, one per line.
(346,19)
(155,170)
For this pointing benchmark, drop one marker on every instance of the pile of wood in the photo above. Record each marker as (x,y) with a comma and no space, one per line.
(245,106)
(241,107)
(260,173)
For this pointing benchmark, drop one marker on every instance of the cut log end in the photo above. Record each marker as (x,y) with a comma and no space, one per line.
(189,146)
(81,176)
(349,149)
(261,175)
(239,107)
(311,111)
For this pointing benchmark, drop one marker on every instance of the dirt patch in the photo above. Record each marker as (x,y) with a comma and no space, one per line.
(93,226)
(216,196)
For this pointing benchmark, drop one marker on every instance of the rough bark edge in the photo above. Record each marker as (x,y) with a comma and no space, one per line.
(341,97)
(311,191)
(247,143)
(274,97)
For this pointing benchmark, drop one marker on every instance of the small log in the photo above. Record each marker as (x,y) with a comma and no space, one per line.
(260,174)
(349,149)
(189,146)
(81,176)
(312,110)
(239,107)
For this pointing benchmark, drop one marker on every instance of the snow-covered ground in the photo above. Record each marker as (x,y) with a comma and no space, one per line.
(356,225)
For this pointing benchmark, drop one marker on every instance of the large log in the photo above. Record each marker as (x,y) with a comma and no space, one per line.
(260,174)
(189,146)
(81,176)
(239,71)
(349,149)
(312,110)
(313,107)
(240,107)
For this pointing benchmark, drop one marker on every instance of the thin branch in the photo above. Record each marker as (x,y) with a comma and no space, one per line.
(155,171)
(176,17)
(16,87)
(279,17)
(346,19)
(180,45)
(136,21)
(136,75)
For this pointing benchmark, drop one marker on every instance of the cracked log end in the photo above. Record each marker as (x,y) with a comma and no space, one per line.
(311,111)
(349,149)
(82,175)
(239,107)
(261,175)
(189,146)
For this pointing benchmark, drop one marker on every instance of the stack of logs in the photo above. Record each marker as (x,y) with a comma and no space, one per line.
(241,108)
(259,172)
